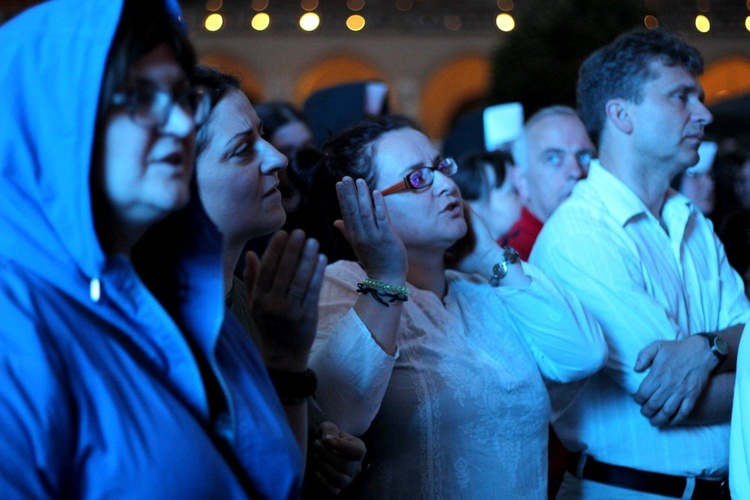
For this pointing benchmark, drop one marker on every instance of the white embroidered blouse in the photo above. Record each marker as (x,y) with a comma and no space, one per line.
(461,410)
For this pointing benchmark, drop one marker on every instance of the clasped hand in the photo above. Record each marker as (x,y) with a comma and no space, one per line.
(284,288)
(679,372)
(338,458)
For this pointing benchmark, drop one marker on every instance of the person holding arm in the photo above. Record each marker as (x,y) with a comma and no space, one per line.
(646,262)
(442,371)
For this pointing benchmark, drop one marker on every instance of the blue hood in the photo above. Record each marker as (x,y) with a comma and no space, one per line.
(47,133)
(52,84)
(101,393)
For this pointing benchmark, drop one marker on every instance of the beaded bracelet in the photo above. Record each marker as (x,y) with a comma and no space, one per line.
(381,290)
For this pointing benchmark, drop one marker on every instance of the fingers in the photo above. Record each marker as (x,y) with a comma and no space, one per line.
(341,442)
(267,268)
(312,293)
(298,266)
(249,275)
(338,455)
(381,211)
(356,206)
(325,484)
(291,267)
(327,428)
(348,446)
(334,469)
(685,408)
(646,356)
(654,408)
(664,408)
(674,410)
(339,224)
(346,192)
(677,377)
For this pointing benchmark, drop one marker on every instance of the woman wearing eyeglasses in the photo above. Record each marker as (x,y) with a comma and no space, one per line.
(119,376)
(441,371)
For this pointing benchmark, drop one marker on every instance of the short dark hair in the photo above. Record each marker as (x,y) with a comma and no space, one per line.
(218,84)
(471,177)
(348,153)
(275,114)
(620,69)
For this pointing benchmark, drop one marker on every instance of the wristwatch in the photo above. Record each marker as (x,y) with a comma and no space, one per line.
(718,346)
(499,270)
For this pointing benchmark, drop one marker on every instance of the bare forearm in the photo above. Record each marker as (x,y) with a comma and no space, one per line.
(296,416)
(731,336)
(382,320)
(715,404)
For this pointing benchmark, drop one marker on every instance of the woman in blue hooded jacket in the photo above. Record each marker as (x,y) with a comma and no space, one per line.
(119,374)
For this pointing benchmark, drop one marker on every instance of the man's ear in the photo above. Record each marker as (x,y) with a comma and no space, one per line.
(520,182)
(617,112)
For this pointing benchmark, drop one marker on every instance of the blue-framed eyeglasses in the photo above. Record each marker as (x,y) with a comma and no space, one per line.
(151,106)
(423,177)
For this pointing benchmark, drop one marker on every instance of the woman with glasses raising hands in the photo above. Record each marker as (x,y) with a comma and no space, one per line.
(441,371)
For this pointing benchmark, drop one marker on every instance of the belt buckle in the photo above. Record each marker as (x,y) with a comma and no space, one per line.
(724,493)
(720,493)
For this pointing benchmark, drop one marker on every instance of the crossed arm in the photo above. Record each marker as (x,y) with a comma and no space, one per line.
(671,375)
(681,386)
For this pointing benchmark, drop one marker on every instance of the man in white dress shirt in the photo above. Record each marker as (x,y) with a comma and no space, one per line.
(654,423)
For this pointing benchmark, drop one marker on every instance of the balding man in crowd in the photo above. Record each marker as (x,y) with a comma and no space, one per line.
(551,155)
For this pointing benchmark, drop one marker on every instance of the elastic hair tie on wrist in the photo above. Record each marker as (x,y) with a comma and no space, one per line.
(381,290)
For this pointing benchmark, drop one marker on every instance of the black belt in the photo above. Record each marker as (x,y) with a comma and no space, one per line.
(647,482)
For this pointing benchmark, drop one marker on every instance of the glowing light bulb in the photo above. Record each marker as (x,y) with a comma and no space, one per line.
(702,23)
(309,21)
(214,22)
(355,22)
(260,21)
(505,22)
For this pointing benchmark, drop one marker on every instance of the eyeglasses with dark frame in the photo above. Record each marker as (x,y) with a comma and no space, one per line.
(151,106)
(423,177)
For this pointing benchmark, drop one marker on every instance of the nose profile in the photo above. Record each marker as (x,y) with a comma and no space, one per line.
(703,115)
(442,183)
(273,160)
(179,122)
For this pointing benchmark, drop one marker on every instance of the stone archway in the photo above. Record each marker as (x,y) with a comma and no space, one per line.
(333,71)
(449,89)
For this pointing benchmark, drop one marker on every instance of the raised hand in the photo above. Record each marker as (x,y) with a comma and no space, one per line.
(367,227)
(284,288)
(337,458)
